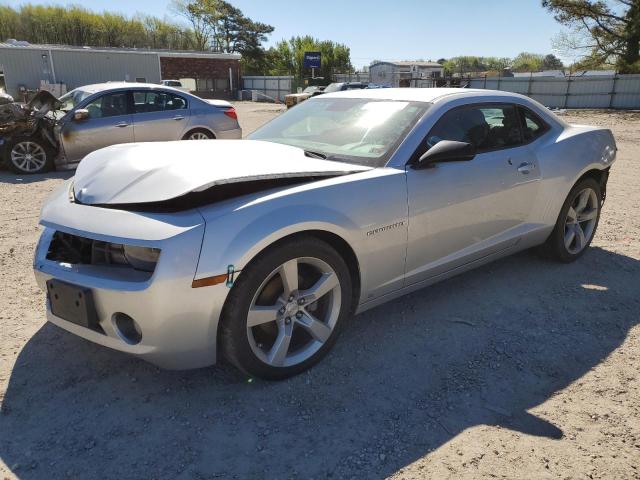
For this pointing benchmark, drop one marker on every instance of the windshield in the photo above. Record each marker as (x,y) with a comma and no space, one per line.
(351,130)
(172,83)
(72,99)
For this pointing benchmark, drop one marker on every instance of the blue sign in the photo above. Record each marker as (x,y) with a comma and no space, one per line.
(312,59)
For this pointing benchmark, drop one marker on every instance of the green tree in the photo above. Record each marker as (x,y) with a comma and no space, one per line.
(287,58)
(551,62)
(76,25)
(202,16)
(527,62)
(607,33)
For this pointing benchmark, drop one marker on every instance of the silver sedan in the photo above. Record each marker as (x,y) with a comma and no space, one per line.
(343,203)
(96,116)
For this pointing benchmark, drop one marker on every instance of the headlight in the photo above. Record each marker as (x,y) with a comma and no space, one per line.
(141,258)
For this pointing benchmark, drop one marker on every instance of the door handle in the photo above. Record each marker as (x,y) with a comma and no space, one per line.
(178,117)
(526,168)
(122,124)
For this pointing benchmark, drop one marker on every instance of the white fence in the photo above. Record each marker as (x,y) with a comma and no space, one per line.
(267,89)
(618,91)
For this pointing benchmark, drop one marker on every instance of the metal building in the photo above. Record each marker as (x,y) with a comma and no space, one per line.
(28,67)
(405,74)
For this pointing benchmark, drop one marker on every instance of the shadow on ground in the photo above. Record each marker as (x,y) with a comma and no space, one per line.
(482,348)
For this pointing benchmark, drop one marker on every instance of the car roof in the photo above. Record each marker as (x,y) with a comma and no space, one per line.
(429,95)
(101,87)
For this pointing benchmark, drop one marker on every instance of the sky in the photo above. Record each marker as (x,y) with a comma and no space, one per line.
(387,30)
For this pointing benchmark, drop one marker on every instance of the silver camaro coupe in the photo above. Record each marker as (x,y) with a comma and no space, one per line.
(259,250)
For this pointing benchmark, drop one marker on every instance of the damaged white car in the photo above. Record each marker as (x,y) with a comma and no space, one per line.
(48,132)
(343,203)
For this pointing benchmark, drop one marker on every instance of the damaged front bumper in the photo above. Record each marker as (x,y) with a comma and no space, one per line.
(177,323)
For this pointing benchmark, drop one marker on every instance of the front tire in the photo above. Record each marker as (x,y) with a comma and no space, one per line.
(27,155)
(577,223)
(286,309)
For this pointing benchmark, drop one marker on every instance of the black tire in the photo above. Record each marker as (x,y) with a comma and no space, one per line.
(28,167)
(201,131)
(555,247)
(234,338)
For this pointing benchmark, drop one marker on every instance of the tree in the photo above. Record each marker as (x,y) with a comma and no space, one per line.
(527,62)
(202,16)
(606,34)
(551,62)
(78,26)
(287,58)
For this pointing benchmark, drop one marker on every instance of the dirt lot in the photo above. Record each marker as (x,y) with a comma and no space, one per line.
(520,369)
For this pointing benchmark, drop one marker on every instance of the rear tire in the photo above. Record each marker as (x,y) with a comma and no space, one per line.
(286,309)
(576,226)
(199,134)
(28,155)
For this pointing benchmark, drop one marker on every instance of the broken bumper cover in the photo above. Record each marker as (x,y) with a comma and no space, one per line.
(178,323)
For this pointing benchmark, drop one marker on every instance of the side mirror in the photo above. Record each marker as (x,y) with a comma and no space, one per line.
(447,151)
(81,114)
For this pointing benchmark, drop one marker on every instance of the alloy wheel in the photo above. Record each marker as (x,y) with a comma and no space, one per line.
(294,312)
(28,156)
(199,136)
(581,221)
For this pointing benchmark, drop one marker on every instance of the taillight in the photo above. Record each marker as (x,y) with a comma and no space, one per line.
(231,112)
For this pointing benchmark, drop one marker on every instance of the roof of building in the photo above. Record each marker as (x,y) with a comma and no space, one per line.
(409,63)
(15,44)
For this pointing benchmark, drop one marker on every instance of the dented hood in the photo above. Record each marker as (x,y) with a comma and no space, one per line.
(44,102)
(139,173)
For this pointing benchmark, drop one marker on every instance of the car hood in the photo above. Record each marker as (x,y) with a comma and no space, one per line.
(44,102)
(140,173)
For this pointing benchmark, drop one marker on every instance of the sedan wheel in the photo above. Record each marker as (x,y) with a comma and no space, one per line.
(581,221)
(286,308)
(199,136)
(27,156)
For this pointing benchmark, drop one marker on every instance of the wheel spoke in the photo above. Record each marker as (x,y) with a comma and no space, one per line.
(326,283)
(569,235)
(315,327)
(583,199)
(289,275)
(580,239)
(571,215)
(259,315)
(280,347)
(587,215)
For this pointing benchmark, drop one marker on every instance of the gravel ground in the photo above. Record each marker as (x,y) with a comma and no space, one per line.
(520,369)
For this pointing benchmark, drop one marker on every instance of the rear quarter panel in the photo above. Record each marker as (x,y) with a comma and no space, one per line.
(210,117)
(563,158)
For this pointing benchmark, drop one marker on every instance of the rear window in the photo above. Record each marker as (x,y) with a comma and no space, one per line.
(532,125)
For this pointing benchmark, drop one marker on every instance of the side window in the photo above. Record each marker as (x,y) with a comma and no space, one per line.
(109,105)
(487,127)
(532,125)
(145,102)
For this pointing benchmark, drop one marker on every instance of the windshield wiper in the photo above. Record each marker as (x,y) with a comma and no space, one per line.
(312,154)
